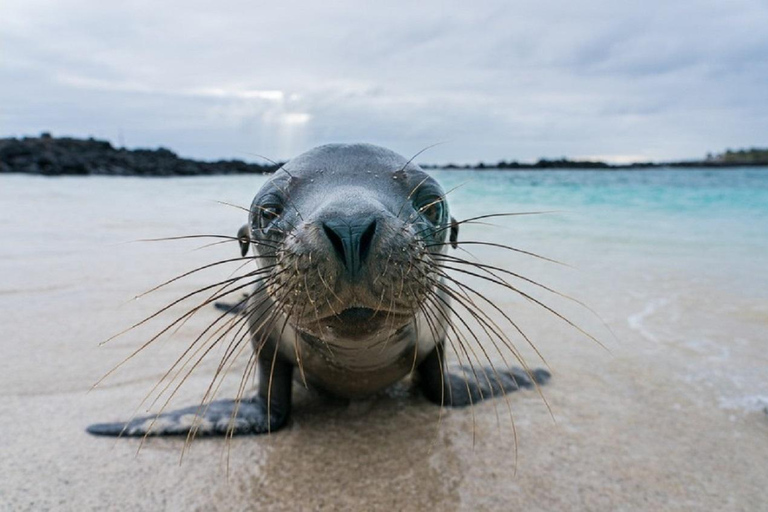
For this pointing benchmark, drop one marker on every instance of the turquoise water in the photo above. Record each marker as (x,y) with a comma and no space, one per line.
(703,222)
(707,194)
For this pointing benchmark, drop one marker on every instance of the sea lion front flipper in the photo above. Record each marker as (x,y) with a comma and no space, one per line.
(472,385)
(236,308)
(216,418)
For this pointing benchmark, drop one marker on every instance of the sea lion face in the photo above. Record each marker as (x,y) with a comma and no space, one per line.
(351,231)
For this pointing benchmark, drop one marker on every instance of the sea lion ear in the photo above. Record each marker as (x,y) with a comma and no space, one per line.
(244,239)
(454,233)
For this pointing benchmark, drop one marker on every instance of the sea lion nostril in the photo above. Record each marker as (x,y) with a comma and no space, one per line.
(336,242)
(366,239)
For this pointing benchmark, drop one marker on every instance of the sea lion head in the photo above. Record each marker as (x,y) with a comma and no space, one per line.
(350,231)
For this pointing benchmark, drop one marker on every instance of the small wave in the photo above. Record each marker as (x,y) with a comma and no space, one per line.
(637,321)
(751,403)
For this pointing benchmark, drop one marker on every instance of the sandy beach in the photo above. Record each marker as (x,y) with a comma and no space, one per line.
(669,417)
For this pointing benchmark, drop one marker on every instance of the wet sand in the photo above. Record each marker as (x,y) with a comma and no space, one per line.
(668,418)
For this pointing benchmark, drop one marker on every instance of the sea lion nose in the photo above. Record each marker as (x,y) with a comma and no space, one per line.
(351,240)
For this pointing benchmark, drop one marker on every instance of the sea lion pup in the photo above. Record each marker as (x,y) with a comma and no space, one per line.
(350,294)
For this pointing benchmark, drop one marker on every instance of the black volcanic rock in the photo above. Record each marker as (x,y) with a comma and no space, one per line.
(68,156)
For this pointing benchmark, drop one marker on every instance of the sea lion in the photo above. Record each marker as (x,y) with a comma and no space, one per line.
(349,292)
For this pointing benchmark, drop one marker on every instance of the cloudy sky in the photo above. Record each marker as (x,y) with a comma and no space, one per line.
(620,80)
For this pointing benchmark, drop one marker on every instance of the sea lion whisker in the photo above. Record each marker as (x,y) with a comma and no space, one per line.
(441,365)
(227,238)
(186,237)
(489,326)
(471,348)
(386,266)
(231,324)
(208,246)
(498,332)
(159,382)
(229,434)
(297,349)
(181,299)
(250,366)
(416,334)
(485,322)
(488,269)
(500,246)
(389,318)
(497,376)
(233,354)
(508,343)
(534,300)
(178,386)
(381,300)
(167,328)
(280,166)
(236,206)
(187,351)
(488,216)
(459,338)
(247,260)
(217,291)
(407,163)
(272,372)
(317,313)
(447,337)
(322,280)
(436,337)
(237,348)
(467,288)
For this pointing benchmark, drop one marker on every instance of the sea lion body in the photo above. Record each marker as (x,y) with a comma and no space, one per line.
(347,237)
(347,183)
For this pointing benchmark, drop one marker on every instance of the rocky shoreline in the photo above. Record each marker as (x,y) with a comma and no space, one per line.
(54,156)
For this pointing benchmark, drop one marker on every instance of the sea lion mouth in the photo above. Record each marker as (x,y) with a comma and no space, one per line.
(355,322)
(356,315)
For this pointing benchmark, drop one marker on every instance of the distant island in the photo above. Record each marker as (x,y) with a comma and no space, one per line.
(58,156)
(739,158)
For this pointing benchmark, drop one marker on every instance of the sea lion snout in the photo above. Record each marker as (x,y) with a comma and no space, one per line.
(347,230)
(351,240)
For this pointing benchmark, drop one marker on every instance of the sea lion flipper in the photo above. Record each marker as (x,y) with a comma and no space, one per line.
(217,418)
(470,385)
(221,417)
(236,308)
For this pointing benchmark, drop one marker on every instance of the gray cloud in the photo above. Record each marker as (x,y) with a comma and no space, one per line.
(499,80)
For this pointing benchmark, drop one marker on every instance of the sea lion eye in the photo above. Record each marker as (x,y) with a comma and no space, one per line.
(268,213)
(432,209)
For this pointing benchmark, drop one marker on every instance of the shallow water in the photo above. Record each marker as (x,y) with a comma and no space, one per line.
(669,417)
